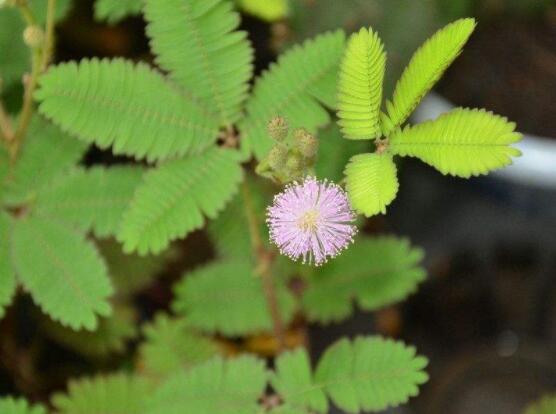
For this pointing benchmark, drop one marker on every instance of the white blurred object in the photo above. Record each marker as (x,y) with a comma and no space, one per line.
(535,167)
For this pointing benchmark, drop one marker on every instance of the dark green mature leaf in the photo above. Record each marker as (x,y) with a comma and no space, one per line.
(93,199)
(217,386)
(171,345)
(296,87)
(46,153)
(62,271)
(7,274)
(370,374)
(11,405)
(175,197)
(375,272)
(113,11)
(227,298)
(213,62)
(112,394)
(127,106)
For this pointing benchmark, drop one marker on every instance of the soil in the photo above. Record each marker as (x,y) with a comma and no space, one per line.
(509,67)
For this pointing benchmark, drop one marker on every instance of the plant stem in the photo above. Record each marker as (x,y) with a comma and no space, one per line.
(48,48)
(264,266)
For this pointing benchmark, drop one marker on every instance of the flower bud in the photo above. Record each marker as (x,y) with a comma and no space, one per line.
(294,164)
(278,128)
(307,144)
(277,157)
(33,36)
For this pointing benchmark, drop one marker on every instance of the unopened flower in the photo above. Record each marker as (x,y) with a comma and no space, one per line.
(311,220)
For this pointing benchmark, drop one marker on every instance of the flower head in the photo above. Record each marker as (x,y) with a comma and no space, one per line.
(311,220)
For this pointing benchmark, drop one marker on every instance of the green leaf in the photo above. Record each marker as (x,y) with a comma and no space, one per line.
(462,142)
(124,105)
(173,198)
(4,170)
(62,271)
(10,405)
(7,274)
(425,68)
(217,386)
(213,62)
(92,199)
(132,273)
(111,394)
(546,405)
(296,87)
(228,298)
(370,374)
(269,10)
(371,182)
(46,153)
(374,272)
(360,86)
(111,336)
(112,11)
(172,345)
(293,380)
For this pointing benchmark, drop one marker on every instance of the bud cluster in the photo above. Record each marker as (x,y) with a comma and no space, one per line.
(293,155)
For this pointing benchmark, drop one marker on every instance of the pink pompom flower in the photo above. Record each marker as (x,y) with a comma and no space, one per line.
(311,220)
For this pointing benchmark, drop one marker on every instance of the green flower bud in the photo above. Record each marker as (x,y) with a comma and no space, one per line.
(278,128)
(33,36)
(295,164)
(277,157)
(307,144)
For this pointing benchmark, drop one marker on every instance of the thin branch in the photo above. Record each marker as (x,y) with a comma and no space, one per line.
(48,49)
(264,266)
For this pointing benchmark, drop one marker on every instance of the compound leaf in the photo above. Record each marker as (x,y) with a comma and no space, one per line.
(113,11)
(213,62)
(462,142)
(227,298)
(375,272)
(360,86)
(296,87)
(9,405)
(546,405)
(124,105)
(62,271)
(111,394)
(172,345)
(217,386)
(425,68)
(7,274)
(371,182)
(174,196)
(46,153)
(92,199)
(370,374)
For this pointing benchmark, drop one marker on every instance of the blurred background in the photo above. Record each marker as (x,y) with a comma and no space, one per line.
(486,317)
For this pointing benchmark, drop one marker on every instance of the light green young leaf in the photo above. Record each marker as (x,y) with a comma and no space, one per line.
(462,142)
(171,345)
(217,386)
(370,374)
(228,298)
(360,86)
(124,105)
(293,380)
(10,405)
(425,68)
(269,10)
(112,11)
(7,274)
(546,405)
(213,62)
(111,394)
(92,199)
(46,153)
(296,87)
(62,271)
(371,182)
(110,337)
(374,272)
(174,197)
